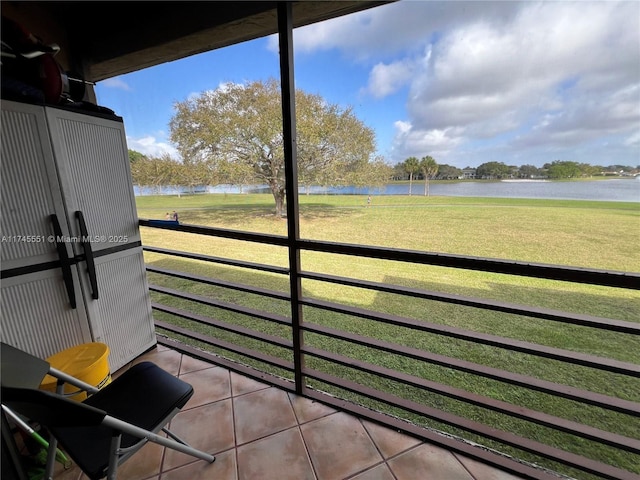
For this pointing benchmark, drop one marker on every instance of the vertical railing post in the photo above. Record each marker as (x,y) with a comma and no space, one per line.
(287,85)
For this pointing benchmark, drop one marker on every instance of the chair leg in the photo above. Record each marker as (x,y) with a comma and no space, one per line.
(152,437)
(51,458)
(114,452)
(174,436)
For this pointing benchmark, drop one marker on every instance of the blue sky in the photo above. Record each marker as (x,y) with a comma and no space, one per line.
(465,82)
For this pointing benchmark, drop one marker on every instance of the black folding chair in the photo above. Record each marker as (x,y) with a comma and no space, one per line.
(107,428)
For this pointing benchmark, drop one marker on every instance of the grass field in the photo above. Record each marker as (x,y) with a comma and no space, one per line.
(601,235)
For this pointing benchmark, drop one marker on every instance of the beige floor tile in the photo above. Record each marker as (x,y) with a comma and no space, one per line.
(224,468)
(482,471)
(209,385)
(381,472)
(262,413)
(190,364)
(277,457)
(388,441)
(428,461)
(241,385)
(208,428)
(72,473)
(307,410)
(339,446)
(168,360)
(143,464)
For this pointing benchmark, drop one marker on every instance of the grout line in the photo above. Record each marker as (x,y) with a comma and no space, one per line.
(464,466)
(304,442)
(233,421)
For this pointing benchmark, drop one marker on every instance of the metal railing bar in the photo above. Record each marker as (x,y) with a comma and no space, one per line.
(231,347)
(540,418)
(231,307)
(222,283)
(210,322)
(531,383)
(236,367)
(609,278)
(220,260)
(505,307)
(566,356)
(219,232)
(567,458)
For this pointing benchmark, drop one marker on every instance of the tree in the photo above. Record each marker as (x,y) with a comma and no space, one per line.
(528,171)
(493,170)
(372,174)
(399,172)
(587,170)
(236,130)
(448,172)
(411,166)
(153,172)
(429,168)
(564,169)
(134,156)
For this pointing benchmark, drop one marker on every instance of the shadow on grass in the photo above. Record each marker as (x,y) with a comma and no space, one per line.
(238,214)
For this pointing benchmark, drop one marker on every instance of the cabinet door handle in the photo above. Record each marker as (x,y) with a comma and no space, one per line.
(88,255)
(65,263)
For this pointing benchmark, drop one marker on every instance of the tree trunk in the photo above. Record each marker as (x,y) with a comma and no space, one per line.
(426,186)
(278,195)
(410,182)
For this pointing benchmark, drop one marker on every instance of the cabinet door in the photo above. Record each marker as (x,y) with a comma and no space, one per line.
(36,304)
(36,316)
(30,189)
(122,316)
(93,165)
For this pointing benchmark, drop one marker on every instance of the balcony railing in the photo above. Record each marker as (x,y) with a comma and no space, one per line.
(334,363)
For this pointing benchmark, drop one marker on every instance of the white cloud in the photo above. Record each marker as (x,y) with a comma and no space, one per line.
(386,79)
(152,147)
(633,140)
(412,142)
(116,82)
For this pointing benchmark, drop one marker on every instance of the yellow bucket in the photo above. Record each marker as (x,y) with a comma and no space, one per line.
(88,362)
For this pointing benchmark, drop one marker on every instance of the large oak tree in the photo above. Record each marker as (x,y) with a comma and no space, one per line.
(236,130)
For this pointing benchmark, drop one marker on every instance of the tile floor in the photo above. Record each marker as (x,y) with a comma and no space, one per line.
(258,432)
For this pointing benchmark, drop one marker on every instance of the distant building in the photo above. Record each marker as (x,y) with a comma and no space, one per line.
(468,173)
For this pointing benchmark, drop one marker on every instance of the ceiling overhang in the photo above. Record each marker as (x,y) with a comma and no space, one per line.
(109,38)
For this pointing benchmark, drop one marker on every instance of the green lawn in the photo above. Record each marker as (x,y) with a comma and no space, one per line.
(601,235)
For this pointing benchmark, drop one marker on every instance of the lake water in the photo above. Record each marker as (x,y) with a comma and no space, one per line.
(610,190)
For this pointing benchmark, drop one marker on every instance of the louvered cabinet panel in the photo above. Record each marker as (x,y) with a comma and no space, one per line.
(93,166)
(35,314)
(30,189)
(122,315)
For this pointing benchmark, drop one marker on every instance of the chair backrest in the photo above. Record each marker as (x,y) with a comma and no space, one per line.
(21,374)
(19,369)
(50,409)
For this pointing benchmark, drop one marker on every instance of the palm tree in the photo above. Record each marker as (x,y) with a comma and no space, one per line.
(429,168)
(411,166)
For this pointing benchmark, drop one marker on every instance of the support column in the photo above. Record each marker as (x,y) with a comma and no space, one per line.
(287,85)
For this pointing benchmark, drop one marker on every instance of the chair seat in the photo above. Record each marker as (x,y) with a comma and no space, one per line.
(145,395)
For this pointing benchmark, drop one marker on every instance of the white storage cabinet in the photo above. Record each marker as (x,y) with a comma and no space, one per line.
(72,263)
